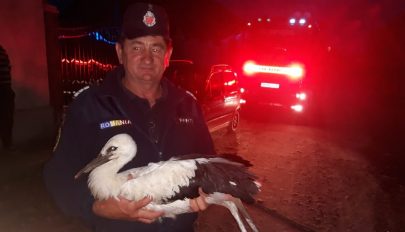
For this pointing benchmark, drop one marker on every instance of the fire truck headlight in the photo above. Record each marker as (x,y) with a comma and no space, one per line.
(295,72)
(297,108)
(301,96)
(292,21)
(249,68)
(302,21)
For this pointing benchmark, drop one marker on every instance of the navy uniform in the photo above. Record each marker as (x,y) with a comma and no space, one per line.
(7,103)
(173,126)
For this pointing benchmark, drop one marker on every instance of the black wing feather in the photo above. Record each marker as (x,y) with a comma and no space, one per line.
(229,176)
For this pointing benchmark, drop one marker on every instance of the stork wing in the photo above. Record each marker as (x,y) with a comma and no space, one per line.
(161,181)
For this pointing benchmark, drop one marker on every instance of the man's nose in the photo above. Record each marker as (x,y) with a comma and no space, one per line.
(147,56)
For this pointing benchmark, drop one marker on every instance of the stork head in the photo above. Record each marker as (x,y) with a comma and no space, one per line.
(118,151)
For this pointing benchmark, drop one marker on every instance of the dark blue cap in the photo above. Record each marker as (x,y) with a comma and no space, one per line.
(143,19)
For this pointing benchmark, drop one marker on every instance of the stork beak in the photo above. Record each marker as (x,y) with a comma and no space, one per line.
(99,160)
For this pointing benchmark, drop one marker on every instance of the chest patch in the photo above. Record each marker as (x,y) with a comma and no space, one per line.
(185,121)
(114,123)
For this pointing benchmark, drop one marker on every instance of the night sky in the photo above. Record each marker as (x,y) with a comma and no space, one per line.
(190,19)
(219,18)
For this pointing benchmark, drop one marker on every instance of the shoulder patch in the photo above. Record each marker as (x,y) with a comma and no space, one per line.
(78,92)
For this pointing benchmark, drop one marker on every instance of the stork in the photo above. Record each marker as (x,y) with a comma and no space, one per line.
(171,184)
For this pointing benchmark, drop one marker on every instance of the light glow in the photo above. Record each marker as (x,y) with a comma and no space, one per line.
(270,85)
(301,96)
(96,35)
(230,83)
(297,108)
(292,21)
(230,101)
(88,63)
(99,37)
(294,71)
(249,68)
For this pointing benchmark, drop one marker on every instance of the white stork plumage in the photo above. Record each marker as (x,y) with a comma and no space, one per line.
(171,184)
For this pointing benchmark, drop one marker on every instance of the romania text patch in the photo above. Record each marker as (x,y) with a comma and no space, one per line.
(114,123)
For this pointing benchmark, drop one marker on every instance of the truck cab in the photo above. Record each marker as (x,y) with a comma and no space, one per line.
(278,63)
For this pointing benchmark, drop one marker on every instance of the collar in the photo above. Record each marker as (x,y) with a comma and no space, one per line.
(112,86)
(133,96)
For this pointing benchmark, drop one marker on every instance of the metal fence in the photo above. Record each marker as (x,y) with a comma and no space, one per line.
(85,57)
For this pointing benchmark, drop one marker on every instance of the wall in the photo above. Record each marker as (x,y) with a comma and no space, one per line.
(22,34)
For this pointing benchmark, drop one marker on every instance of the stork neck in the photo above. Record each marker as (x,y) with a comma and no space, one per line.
(105,184)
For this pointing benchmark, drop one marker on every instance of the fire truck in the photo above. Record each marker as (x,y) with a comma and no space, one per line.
(279,62)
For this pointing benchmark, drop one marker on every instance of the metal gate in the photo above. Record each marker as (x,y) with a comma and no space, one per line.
(85,57)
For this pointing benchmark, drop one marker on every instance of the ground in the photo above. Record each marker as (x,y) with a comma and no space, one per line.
(312,180)
(318,178)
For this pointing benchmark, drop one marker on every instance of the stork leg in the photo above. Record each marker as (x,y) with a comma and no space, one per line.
(245,214)
(223,200)
(234,205)
(231,206)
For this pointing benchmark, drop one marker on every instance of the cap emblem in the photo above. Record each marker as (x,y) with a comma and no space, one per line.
(149,19)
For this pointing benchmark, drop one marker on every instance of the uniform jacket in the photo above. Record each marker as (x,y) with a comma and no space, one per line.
(173,126)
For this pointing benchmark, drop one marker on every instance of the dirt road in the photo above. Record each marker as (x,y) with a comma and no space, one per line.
(317,179)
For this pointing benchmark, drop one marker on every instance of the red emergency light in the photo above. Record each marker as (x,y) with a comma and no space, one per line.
(230,83)
(293,71)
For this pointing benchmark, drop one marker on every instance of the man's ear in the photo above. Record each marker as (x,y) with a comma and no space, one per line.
(168,56)
(118,50)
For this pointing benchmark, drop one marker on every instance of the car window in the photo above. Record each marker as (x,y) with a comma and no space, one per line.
(216,85)
(230,83)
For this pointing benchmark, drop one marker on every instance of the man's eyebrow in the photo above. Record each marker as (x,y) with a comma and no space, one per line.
(137,42)
(154,44)
(158,44)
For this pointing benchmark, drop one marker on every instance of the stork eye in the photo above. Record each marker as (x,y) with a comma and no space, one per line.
(111,149)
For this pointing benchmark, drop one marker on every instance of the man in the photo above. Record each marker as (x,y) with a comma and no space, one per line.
(134,99)
(6,102)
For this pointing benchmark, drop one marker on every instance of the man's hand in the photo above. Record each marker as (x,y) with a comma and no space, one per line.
(199,203)
(124,209)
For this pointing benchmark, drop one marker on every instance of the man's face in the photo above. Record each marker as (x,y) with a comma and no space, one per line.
(144,58)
